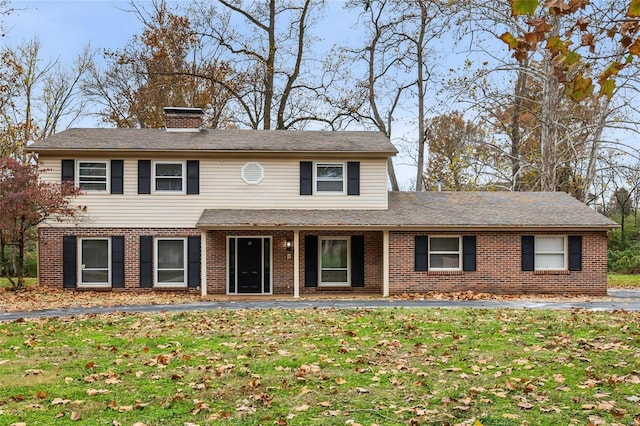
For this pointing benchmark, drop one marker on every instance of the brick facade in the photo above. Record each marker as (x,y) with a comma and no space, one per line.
(498,262)
(498,271)
(50,249)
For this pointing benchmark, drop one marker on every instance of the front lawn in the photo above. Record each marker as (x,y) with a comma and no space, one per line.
(330,367)
(624,281)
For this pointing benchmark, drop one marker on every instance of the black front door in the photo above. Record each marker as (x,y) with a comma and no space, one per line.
(249,273)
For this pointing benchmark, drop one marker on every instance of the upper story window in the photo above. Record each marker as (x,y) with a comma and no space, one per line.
(168,176)
(93,175)
(550,253)
(330,177)
(445,253)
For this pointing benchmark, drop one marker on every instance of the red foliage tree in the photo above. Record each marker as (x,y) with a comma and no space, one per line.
(25,202)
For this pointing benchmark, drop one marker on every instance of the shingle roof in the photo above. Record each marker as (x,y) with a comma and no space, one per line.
(451,210)
(132,140)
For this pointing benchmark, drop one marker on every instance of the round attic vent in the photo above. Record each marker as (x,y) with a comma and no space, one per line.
(252,173)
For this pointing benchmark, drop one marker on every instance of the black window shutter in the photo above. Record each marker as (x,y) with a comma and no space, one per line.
(421,253)
(575,253)
(193,252)
(117,174)
(357,261)
(69,263)
(68,171)
(353,178)
(146,261)
(193,177)
(144,176)
(528,253)
(469,253)
(311,261)
(117,261)
(306,178)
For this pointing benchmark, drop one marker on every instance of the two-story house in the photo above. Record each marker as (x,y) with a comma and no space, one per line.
(236,212)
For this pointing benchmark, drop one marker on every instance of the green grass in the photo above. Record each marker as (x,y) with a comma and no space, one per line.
(4,282)
(624,280)
(330,367)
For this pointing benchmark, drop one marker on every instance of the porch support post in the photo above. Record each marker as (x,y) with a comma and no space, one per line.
(296,264)
(385,263)
(203,262)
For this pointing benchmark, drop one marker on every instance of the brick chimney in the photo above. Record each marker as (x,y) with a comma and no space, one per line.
(182,119)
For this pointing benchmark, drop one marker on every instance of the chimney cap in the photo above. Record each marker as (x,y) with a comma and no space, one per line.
(183,110)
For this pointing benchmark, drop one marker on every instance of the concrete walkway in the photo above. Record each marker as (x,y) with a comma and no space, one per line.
(619,299)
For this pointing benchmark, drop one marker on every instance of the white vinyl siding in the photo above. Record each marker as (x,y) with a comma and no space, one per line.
(221,187)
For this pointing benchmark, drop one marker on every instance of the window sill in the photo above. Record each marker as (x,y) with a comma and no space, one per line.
(551,272)
(444,272)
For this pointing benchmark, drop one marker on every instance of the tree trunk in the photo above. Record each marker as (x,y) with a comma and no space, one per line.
(521,85)
(270,70)
(548,123)
(420,84)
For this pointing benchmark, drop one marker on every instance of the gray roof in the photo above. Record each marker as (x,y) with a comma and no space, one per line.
(203,141)
(441,210)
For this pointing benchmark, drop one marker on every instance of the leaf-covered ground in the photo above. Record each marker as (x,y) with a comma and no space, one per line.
(329,367)
(35,298)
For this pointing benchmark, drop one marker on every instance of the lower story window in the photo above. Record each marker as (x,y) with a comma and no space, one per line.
(334,261)
(550,253)
(170,266)
(95,258)
(444,253)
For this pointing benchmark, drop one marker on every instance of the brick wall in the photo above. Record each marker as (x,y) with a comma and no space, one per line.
(178,121)
(50,250)
(282,266)
(372,264)
(282,272)
(498,264)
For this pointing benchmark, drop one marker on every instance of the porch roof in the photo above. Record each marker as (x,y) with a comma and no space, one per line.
(429,210)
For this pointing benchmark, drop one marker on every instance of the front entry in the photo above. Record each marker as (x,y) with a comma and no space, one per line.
(249,265)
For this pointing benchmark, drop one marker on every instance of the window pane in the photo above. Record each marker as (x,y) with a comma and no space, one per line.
(444,244)
(93,169)
(334,253)
(444,261)
(168,184)
(170,254)
(550,261)
(329,171)
(549,244)
(163,169)
(334,276)
(95,254)
(329,186)
(92,176)
(171,276)
(100,276)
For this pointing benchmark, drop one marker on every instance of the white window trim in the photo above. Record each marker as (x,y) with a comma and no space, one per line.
(108,176)
(156,240)
(564,252)
(81,266)
(170,192)
(430,252)
(320,269)
(329,163)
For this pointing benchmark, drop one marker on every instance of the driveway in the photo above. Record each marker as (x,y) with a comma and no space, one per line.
(618,300)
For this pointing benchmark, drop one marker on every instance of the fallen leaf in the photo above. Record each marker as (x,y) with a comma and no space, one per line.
(303,407)
(340,381)
(75,416)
